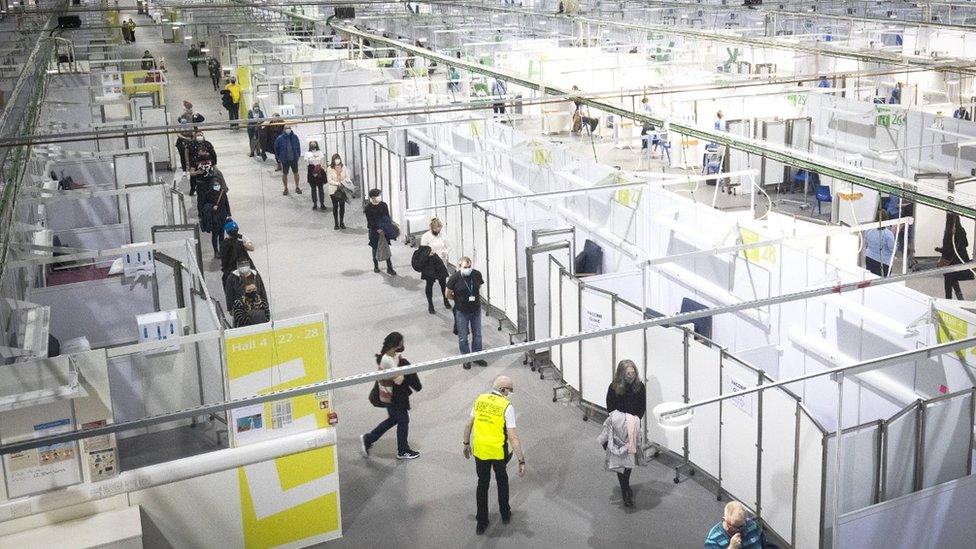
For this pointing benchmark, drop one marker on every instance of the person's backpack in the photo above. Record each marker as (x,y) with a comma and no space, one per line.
(419,259)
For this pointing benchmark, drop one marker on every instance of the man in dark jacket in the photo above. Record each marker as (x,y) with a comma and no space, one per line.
(234,250)
(193,57)
(288,149)
(213,67)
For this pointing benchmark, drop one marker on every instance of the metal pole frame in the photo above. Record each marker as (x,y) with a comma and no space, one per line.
(371,376)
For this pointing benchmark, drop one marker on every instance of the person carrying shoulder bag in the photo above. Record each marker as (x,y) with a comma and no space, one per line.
(394,395)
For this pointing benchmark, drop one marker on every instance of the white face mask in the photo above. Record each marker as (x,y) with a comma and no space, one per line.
(245,271)
(466,271)
(288,132)
(216,187)
(200,138)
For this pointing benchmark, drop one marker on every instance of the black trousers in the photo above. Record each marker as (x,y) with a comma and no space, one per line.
(951,284)
(498,108)
(874,266)
(484,467)
(624,480)
(215,78)
(318,193)
(216,235)
(234,113)
(429,289)
(339,212)
(389,262)
(194,67)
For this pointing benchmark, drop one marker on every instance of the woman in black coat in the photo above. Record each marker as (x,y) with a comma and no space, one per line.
(954,251)
(627,394)
(376,210)
(398,409)
(218,208)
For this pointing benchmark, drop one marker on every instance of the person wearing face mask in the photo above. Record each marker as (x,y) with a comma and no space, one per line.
(315,176)
(202,160)
(436,267)
(234,250)
(240,277)
(627,397)
(254,127)
(464,288)
(377,217)
(288,149)
(251,308)
(234,109)
(270,134)
(396,393)
(184,140)
(218,208)
(491,436)
(339,185)
(213,67)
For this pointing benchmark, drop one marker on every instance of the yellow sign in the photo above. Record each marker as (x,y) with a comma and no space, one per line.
(760,254)
(950,327)
(291,500)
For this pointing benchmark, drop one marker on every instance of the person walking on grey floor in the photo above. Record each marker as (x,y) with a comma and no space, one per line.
(626,404)
(193,57)
(435,268)
(381,230)
(488,434)
(254,129)
(339,188)
(954,251)
(213,67)
(464,288)
(394,393)
(315,176)
(287,150)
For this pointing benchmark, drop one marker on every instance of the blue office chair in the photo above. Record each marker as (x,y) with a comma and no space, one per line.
(823,195)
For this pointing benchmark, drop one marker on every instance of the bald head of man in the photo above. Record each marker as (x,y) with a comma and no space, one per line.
(503,384)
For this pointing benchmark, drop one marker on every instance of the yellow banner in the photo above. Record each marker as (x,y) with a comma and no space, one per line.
(761,254)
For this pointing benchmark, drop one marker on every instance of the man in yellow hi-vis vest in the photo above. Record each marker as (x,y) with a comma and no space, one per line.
(493,422)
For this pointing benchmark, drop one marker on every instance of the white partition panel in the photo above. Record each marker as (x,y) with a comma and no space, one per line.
(597,357)
(628,345)
(554,312)
(419,192)
(131,168)
(809,490)
(740,433)
(899,443)
(467,231)
(147,208)
(495,259)
(779,421)
(570,314)
(665,381)
(479,255)
(704,381)
(947,430)
(859,476)
(394,192)
(512,275)
(452,222)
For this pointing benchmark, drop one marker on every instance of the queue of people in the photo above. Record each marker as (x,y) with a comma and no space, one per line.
(490,432)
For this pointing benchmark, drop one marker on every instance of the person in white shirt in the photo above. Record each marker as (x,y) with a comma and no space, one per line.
(339,182)
(316,174)
(436,267)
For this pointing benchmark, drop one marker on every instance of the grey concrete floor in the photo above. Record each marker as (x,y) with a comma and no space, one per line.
(565,500)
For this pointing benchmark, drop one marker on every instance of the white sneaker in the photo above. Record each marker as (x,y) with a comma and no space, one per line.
(409,454)
(363,449)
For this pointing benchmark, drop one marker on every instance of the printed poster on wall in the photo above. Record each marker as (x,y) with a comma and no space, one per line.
(43,468)
(762,254)
(953,323)
(292,500)
(742,402)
